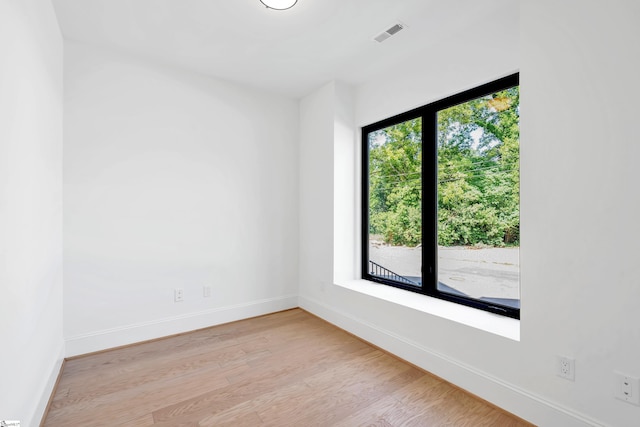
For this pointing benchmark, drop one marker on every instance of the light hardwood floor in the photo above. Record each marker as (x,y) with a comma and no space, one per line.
(284,369)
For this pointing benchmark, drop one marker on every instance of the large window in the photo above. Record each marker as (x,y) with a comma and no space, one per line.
(441,199)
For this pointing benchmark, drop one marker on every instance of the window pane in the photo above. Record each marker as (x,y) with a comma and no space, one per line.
(479,199)
(395,198)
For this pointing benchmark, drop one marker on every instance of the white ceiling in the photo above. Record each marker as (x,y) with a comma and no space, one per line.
(290,52)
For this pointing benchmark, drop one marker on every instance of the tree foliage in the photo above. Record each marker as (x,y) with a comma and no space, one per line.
(478,175)
(395,160)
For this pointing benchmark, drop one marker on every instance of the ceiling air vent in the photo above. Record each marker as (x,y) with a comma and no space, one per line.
(388,33)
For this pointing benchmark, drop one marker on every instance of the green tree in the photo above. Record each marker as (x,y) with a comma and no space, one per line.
(478,175)
(478,171)
(395,159)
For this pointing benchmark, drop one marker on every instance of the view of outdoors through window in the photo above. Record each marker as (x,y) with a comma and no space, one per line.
(395,202)
(479,198)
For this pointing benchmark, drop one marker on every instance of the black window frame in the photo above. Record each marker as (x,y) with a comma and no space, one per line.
(428,113)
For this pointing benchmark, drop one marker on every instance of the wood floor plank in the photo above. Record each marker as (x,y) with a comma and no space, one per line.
(120,407)
(284,369)
(331,404)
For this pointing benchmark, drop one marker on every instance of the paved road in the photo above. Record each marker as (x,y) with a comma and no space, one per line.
(484,272)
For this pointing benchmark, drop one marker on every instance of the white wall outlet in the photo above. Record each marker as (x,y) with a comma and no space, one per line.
(178,295)
(206,291)
(566,368)
(627,388)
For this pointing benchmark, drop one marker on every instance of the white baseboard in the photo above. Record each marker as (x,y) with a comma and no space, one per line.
(511,398)
(47,392)
(130,334)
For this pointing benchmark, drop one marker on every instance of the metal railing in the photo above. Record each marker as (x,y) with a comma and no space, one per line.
(384,273)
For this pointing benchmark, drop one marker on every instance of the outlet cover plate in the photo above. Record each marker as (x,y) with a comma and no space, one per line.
(566,368)
(627,388)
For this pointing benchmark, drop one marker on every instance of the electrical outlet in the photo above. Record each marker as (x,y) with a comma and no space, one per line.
(206,291)
(178,295)
(627,388)
(566,368)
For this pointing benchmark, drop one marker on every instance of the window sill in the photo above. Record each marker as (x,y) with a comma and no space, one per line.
(485,321)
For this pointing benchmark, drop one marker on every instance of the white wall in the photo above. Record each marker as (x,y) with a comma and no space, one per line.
(580,207)
(172,180)
(31,340)
(327,186)
(316,188)
(579,215)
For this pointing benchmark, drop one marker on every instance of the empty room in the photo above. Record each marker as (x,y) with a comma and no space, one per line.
(319,212)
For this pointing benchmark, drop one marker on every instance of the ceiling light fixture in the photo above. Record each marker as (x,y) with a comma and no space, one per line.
(279,4)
